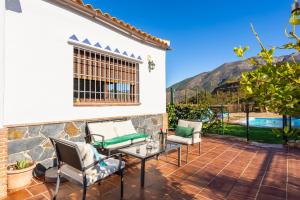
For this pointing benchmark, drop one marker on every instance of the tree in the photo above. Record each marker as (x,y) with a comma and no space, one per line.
(274,85)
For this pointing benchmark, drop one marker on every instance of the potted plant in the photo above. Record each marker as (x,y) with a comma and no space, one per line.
(19,174)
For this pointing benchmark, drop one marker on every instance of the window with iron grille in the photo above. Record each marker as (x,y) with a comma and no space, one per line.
(100,78)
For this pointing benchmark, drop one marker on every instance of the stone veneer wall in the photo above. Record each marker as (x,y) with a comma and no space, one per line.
(3,163)
(31,142)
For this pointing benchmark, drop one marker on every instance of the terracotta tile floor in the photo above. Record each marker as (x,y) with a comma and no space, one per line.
(225,170)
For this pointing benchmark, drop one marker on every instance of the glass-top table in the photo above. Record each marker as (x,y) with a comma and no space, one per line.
(143,153)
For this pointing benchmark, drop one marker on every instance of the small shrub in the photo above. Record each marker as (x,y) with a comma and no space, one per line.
(192,112)
(171,116)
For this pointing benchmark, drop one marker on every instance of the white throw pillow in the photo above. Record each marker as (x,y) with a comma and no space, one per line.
(196,125)
(124,128)
(183,123)
(86,153)
(102,128)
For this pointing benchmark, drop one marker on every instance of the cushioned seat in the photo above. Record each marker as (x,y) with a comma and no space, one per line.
(120,139)
(139,140)
(113,135)
(183,140)
(112,166)
(105,129)
(119,145)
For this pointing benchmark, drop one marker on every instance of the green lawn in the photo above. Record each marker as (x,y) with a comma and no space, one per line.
(262,135)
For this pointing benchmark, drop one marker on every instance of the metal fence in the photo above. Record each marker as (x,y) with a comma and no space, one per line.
(238,117)
(233,101)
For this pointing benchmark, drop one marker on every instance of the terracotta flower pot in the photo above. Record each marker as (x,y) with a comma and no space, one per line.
(18,179)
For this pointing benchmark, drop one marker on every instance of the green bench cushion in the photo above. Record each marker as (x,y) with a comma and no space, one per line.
(120,139)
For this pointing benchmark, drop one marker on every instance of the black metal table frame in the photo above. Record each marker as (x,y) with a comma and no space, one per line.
(144,159)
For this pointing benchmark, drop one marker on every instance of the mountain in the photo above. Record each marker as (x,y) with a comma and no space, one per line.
(227,72)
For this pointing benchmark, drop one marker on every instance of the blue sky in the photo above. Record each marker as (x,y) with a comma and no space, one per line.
(203,32)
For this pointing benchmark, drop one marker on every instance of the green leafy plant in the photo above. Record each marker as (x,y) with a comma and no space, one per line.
(193,112)
(240,51)
(290,133)
(273,85)
(22,164)
(171,115)
(213,126)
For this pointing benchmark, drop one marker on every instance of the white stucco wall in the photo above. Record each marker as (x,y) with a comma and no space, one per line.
(2,21)
(39,74)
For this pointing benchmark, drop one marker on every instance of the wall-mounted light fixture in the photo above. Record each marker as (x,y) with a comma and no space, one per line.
(295,17)
(294,21)
(151,64)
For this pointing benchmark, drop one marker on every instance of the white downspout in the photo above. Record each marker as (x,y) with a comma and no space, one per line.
(2,60)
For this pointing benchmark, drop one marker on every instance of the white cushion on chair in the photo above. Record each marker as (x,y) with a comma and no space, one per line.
(182,140)
(102,128)
(183,123)
(124,128)
(87,153)
(100,172)
(119,145)
(94,173)
(139,140)
(126,143)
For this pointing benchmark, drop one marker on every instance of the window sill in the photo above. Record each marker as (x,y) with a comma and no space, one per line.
(103,104)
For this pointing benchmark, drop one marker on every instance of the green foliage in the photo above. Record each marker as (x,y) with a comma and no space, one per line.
(275,86)
(291,45)
(192,112)
(188,112)
(289,133)
(22,164)
(240,51)
(213,126)
(267,55)
(171,116)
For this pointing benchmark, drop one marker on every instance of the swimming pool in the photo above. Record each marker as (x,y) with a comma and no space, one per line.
(270,122)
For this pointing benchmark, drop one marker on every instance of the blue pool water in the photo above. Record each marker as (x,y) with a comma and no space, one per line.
(271,122)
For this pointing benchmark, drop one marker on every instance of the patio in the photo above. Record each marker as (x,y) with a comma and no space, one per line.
(225,170)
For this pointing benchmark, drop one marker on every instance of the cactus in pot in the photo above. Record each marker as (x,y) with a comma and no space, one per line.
(19,174)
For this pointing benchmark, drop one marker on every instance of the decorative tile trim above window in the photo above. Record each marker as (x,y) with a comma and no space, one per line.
(86,43)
